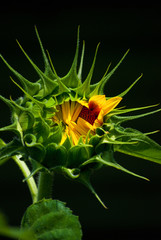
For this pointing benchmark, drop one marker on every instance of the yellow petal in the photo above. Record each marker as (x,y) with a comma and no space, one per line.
(83,103)
(73,133)
(110,104)
(72,108)
(64,136)
(99,121)
(66,112)
(98,100)
(84,125)
(77,109)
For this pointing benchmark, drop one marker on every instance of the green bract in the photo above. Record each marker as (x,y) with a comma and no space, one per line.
(38,138)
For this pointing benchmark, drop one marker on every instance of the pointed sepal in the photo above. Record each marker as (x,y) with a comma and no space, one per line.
(85,180)
(30,87)
(98,88)
(84,89)
(71,80)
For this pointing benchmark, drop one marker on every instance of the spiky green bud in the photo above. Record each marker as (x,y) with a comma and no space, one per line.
(67,125)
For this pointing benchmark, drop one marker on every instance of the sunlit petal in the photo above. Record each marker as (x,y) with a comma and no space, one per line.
(111,104)
(77,110)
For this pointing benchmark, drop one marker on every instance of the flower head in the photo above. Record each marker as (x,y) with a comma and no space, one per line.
(81,117)
(67,125)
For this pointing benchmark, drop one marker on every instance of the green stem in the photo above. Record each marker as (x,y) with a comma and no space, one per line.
(45,185)
(30,181)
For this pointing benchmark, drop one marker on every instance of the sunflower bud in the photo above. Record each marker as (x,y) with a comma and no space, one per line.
(67,125)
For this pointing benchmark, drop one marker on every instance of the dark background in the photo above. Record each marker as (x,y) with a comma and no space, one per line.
(134,204)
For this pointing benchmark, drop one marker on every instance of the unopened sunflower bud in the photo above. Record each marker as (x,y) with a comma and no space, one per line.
(68,125)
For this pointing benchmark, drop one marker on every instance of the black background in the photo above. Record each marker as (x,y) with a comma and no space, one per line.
(134,204)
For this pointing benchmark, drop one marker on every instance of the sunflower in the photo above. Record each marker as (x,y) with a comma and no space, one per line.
(81,117)
(68,126)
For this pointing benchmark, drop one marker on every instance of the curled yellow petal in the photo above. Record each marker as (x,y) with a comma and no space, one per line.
(111,104)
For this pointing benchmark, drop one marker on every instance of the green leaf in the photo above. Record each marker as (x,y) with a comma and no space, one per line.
(145,147)
(51,220)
